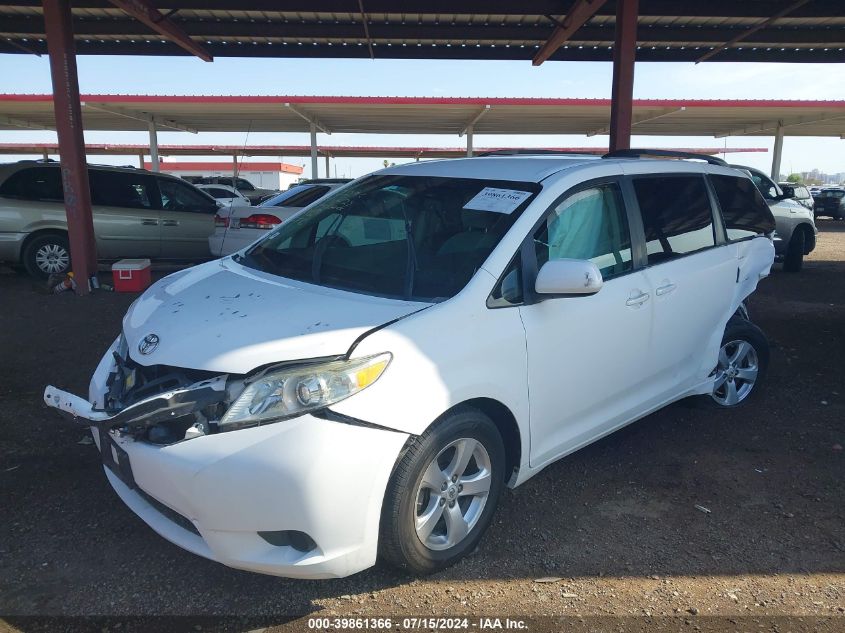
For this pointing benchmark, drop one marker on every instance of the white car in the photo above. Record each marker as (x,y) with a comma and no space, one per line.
(366,379)
(237,228)
(226,196)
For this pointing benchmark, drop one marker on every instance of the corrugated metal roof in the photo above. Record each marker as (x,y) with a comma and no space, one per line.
(334,151)
(676,30)
(431,115)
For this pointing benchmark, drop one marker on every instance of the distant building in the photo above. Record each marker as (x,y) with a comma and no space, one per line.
(264,175)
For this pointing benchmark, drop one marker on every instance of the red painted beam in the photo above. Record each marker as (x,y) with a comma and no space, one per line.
(146,13)
(580,12)
(68,111)
(622,95)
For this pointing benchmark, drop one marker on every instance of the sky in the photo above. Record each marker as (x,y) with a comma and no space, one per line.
(420,78)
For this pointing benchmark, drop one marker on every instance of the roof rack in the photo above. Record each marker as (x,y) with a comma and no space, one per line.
(527,151)
(664,153)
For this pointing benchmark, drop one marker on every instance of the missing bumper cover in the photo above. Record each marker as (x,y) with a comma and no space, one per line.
(142,414)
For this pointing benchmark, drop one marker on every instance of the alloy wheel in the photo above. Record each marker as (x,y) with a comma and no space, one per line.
(736,373)
(452,494)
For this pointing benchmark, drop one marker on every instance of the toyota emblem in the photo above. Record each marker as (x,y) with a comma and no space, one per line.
(148,344)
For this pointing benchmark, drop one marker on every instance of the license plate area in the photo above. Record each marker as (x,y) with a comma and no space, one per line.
(115,458)
(234,223)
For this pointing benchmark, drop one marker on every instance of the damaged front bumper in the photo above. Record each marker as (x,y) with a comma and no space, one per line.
(144,413)
(137,417)
(238,497)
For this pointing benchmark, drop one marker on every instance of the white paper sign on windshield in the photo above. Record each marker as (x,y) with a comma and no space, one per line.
(497,200)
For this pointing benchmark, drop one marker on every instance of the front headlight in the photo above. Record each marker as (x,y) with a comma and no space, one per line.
(290,392)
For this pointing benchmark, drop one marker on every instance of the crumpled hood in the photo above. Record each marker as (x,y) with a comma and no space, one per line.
(221,316)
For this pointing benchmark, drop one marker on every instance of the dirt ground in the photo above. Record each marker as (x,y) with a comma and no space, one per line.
(614,527)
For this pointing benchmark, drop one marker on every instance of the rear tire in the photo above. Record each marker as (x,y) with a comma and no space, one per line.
(741,369)
(793,261)
(46,254)
(443,493)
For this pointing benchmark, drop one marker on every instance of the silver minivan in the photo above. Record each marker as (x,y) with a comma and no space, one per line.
(136,214)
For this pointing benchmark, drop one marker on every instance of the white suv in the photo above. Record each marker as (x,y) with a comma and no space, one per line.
(367,378)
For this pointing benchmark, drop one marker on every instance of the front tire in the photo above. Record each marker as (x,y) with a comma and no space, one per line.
(793,261)
(741,369)
(443,493)
(45,255)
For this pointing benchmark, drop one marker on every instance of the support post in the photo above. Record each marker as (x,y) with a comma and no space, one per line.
(58,24)
(469,142)
(154,146)
(624,54)
(313,151)
(234,169)
(46,155)
(140,160)
(328,173)
(777,153)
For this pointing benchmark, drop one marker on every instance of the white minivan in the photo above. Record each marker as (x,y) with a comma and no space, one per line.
(366,379)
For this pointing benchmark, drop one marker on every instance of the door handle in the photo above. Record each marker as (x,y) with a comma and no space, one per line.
(149,222)
(170,223)
(637,301)
(665,290)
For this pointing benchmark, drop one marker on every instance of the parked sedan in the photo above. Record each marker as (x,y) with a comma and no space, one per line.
(238,227)
(136,214)
(225,195)
(251,192)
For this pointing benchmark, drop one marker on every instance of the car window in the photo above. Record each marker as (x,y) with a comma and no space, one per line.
(177,196)
(297,197)
(508,291)
(219,193)
(244,184)
(34,183)
(411,237)
(119,189)
(744,211)
(764,185)
(590,225)
(676,213)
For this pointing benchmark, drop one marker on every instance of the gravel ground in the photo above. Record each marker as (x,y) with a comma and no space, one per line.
(614,528)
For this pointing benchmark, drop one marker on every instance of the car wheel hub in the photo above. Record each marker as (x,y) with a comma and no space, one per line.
(52,258)
(452,494)
(736,373)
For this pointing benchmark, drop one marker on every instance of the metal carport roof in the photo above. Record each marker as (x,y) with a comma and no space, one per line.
(431,115)
(333,151)
(668,30)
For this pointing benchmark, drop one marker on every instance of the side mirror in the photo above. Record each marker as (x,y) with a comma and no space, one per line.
(568,277)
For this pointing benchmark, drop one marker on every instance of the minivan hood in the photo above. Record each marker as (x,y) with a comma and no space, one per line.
(221,316)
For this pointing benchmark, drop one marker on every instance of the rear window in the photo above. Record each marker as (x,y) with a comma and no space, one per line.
(219,193)
(297,197)
(34,183)
(744,211)
(834,193)
(676,213)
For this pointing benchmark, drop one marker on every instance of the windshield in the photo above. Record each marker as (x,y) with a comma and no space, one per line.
(407,237)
